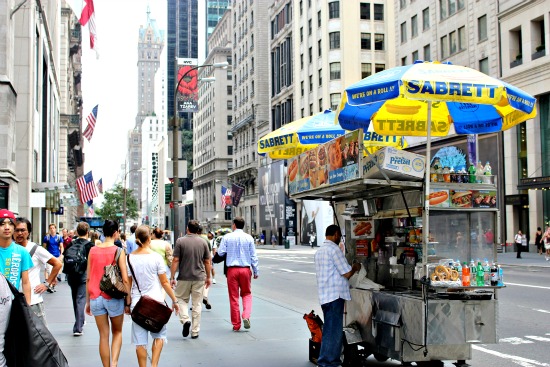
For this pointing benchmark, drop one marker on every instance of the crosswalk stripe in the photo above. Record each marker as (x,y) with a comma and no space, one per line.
(525,362)
(538,338)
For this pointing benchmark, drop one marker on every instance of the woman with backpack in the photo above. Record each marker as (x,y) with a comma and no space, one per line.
(103,307)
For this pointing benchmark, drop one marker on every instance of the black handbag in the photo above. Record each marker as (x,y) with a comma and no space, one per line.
(149,313)
(28,340)
(111,281)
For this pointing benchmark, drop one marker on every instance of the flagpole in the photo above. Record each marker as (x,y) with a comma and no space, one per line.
(176,194)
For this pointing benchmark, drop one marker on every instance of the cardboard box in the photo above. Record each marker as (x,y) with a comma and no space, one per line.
(397,164)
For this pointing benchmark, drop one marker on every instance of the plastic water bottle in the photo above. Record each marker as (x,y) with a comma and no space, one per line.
(479,172)
(494,274)
(486,272)
(487,173)
(458,268)
(473,271)
(480,276)
(465,275)
(500,276)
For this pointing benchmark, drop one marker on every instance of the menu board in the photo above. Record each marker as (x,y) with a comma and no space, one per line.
(463,198)
(333,162)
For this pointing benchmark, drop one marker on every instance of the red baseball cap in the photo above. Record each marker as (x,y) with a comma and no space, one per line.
(5,213)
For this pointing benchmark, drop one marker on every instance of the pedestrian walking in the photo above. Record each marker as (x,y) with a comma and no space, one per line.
(273,239)
(518,240)
(240,253)
(106,310)
(333,273)
(262,238)
(205,290)
(131,241)
(213,250)
(40,257)
(538,240)
(5,310)
(15,261)
(76,252)
(162,247)
(149,269)
(53,242)
(192,264)
(546,242)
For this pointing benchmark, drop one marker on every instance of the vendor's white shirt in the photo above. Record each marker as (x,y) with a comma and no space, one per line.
(39,260)
(5,308)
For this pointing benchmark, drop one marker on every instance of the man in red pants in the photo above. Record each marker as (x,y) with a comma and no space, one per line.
(240,252)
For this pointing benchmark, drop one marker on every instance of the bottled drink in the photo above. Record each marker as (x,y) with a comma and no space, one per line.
(479,172)
(494,274)
(440,174)
(433,174)
(500,276)
(487,172)
(480,276)
(472,173)
(453,175)
(462,176)
(486,272)
(465,275)
(446,174)
(473,271)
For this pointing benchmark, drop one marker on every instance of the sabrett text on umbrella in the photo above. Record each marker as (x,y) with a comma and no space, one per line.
(372,136)
(450,88)
(396,125)
(276,141)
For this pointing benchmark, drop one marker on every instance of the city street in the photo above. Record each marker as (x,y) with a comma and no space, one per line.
(285,290)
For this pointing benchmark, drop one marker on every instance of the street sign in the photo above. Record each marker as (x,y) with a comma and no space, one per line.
(167,193)
(119,214)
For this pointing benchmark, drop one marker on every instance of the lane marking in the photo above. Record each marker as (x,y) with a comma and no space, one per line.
(538,338)
(528,285)
(525,362)
(287,259)
(296,271)
(515,341)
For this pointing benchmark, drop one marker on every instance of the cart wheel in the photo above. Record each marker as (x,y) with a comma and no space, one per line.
(380,357)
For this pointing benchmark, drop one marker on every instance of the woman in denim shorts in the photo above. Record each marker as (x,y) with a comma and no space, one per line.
(150,272)
(99,304)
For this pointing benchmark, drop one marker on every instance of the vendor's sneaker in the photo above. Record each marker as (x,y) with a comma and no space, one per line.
(246,323)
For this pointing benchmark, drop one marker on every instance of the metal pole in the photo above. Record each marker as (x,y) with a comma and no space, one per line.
(124,208)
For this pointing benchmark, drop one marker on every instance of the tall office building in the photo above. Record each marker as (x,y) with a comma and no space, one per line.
(214,12)
(150,46)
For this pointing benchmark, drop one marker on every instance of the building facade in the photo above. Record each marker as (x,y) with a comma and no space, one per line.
(525,63)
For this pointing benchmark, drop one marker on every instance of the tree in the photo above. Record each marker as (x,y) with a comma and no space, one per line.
(114,204)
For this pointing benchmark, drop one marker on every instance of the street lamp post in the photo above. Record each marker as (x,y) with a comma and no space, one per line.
(176,195)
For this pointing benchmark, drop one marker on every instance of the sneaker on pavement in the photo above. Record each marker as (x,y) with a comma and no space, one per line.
(206,303)
(58,278)
(78,333)
(195,336)
(213,281)
(186,327)
(246,323)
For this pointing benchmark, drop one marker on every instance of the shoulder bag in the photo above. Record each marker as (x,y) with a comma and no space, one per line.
(28,340)
(149,313)
(111,281)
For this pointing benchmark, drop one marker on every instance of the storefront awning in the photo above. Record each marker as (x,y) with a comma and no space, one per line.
(534,183)
(46,186)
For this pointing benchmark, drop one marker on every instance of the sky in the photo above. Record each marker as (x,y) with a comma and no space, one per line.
(110,81)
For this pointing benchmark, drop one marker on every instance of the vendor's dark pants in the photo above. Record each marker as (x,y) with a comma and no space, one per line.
(518,250)
(333,331)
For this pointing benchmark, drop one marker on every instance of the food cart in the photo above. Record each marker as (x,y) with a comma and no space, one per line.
(408,302)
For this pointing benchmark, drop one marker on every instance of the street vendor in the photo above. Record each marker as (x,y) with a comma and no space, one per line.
(333,273)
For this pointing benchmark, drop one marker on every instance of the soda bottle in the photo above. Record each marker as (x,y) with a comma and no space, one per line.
(494,274)
(480,276)
(472,173)
(446,174)
(487,173)
(473,271)
(479,172)
(486,272)
(465,275)
(453,175)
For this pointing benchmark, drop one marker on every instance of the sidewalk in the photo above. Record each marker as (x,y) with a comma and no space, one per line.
(527,259)
(277,337)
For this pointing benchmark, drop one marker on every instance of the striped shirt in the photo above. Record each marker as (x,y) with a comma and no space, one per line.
(240,250)
(330,265)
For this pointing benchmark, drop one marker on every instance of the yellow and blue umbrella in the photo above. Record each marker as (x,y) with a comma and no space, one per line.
(306,133)
(395,102)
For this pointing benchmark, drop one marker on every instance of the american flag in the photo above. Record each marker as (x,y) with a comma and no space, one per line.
(87,188)
(100,185)
(91,119)
(88,16)
(226,196)
(91,211)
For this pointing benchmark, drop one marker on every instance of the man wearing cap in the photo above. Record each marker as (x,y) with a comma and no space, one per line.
(40,257)
(15,261)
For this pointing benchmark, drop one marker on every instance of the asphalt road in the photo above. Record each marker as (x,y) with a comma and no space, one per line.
(288,278)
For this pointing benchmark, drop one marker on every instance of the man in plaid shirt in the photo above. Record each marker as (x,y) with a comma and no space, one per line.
(333,273)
